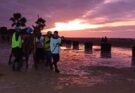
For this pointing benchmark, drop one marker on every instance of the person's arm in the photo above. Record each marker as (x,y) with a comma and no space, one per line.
(44,42)
(36,42)
(60,42)
(51,44)
(13,36)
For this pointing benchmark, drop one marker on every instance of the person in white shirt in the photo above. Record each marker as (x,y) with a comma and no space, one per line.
(55,43)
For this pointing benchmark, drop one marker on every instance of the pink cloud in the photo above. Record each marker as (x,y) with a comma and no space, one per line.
(93,11)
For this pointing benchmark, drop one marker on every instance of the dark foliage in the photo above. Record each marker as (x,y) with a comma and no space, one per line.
(18,20)
(40,24)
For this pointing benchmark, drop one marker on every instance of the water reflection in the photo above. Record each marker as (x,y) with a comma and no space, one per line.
(133,62)
(77,68)
(133,56)
(118,57)
(88,51)
(80,81)
(106,54)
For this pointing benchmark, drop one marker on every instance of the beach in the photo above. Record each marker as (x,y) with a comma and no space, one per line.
(80,72)
(67,46)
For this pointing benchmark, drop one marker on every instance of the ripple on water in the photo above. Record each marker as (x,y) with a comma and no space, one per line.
(74,72)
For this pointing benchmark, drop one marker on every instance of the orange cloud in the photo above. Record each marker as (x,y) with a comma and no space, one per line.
(76,24)
(111,1)
(79,24)
(119,23)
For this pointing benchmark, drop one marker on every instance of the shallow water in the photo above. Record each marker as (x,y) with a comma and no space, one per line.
(77,62)
(78,69)
(119,57)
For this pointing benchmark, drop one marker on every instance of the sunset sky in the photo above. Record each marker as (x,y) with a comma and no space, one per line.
(76,18)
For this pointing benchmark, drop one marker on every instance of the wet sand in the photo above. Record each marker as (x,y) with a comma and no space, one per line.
(80,73)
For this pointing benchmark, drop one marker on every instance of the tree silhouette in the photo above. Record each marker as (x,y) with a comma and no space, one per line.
(3,32)
(40,24)
(18,20)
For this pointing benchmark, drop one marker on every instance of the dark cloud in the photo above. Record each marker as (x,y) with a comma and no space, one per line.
(114,11)
(95,11)
(52,10)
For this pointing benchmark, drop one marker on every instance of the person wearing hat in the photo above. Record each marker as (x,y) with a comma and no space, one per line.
(48,49)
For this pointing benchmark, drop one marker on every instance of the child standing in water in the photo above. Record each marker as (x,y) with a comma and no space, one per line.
(55,43)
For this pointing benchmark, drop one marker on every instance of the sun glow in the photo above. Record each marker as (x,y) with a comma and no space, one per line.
(78,25)
(111,1)
(120,23)
(73,25)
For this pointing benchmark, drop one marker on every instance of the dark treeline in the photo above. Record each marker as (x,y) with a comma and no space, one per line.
(19,21)
(6,34)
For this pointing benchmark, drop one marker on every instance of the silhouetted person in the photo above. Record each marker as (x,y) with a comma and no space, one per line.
(55,49)
(48,49)
(104,40)
(39,49)
(17,49)
(27,44)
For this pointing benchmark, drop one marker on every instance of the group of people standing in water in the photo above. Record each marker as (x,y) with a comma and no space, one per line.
(46,49)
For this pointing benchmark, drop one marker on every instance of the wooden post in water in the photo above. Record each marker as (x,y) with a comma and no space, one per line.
(88,46)
(75,45)
(105,50)
(105,46)
(133,56)
(68,43)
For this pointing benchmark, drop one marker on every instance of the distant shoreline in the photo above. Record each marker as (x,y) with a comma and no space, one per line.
(118,42)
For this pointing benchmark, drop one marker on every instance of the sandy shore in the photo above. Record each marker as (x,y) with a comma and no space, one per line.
(80,73)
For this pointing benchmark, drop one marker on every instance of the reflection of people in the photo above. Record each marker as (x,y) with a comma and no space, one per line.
(55,50)
(17,49)
(47,49)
